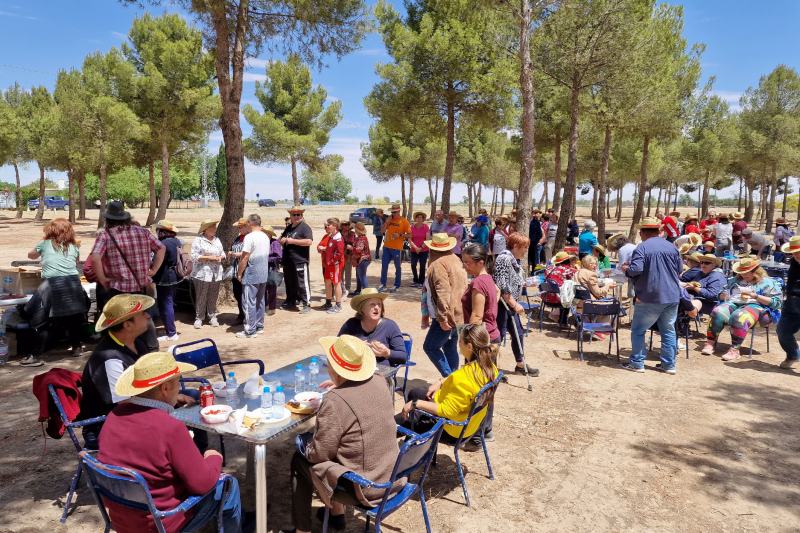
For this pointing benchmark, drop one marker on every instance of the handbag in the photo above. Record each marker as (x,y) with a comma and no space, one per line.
(275,277)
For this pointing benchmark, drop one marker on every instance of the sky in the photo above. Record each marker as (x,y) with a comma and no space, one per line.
(744,41)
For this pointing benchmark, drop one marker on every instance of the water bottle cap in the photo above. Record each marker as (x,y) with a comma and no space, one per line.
(279,389)
(266,389)
(298,366)
(313,359)
(231,374)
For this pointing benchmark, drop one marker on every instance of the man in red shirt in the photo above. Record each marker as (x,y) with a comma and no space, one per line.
(669,226)
(141,434)
(739,225)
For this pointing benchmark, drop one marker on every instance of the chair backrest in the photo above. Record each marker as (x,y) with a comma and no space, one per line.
(416,453)
(409,342)
(201,353)
(120,485)
(582,293)
(64,418)
(549,286)
(597,308)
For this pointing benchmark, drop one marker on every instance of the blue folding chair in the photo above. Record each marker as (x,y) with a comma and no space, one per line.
(415,456)
(409,342)
(545,288)
(586,322)
(479,404)
(70,426)
(530,308)
(127,487)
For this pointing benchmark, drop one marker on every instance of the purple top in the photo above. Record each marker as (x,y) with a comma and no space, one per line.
(457,231)
(484,284)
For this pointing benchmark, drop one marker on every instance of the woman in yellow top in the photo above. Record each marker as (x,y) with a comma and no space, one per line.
(452,397)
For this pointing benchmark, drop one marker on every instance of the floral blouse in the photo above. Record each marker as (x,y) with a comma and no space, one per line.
(766,287)
(508,274)
(206,270)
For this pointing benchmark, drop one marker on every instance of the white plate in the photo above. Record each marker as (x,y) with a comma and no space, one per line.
(273,421)
(308,399)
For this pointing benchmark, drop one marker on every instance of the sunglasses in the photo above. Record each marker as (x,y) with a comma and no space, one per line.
(296,215)
(706,262)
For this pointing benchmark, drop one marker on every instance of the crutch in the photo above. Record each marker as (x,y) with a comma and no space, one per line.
(515,332)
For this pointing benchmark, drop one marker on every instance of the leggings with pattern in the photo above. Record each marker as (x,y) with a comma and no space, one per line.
(740,317)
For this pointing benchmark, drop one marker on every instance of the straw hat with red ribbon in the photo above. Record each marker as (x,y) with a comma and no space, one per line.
(746,264)
(122,307)
(792,246)
(441,242)
(560,257)
(149,371)
(349,357)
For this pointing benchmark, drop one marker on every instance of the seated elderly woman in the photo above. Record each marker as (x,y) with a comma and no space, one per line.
(586,277)
(706,287)
(691,262)
(452,397)
(746,298)
(355,432)
(560,271)
(381,334)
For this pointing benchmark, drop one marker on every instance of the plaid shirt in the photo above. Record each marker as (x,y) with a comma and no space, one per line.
(138,245)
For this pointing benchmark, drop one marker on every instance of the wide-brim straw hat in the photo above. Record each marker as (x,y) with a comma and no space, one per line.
(709,243)
(296,209)
(395,208)
(693,257)
(441,242)
(349,357)
(166,225)
(686,247)
(710,257)
(792,246)
(780,220)
(240,223)
(650,223)
(418,214)
(120,308)
(600,248)
(204,225)
(366,294)
(695,238)
(737,216)
(689,218)
(270,232)
(612,242)
(746,264)
(561,257)
(149,371)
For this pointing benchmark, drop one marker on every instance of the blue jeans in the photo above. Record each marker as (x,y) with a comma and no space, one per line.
(253,304)
(644,316)
(420,259)
(361,275)
(788,325)
(441,347)
(208,508)
(165,296)
(390,255)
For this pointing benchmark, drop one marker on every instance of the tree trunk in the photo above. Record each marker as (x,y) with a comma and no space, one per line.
(81,195)
(40,211)
(739,199)
(618,213)
(785,194)
(699,203)
(163,200)
(749,202)
(18,193)
(469,199)
(404,212)
(295,182)
(479,197)
(639,209)
(557,173)
(229,60)
(525,191)
(593,215)
(493,210)
(432,196)
(411,198)
(602,187)
(71,195)
(773,190)
(502,200)
(798,203)
(102,194)
(704,201)
(649,199)
(658,202)
(572,165)
(151,180)
(451,153)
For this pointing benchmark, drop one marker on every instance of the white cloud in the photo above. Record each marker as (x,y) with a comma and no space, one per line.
(372,52)
(252,76)
(731,97)
(254,62)
(119,35)
(16,15)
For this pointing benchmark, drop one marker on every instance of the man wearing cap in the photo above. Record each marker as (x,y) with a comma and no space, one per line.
(355,432)
(123,320)
(296,240)
(253,271)
(655,268)
(141,434)
(121,257)
(395,232)
(789,324)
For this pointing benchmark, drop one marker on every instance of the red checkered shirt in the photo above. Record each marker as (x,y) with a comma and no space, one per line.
(138,245)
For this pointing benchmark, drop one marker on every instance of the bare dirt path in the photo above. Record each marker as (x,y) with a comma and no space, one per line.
(592,448)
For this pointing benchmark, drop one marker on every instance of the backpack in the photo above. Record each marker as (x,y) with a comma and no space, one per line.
(567,292)
(183,265)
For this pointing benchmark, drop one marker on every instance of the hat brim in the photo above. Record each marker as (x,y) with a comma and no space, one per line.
(294,210)
(100,325)
(124,216)
(356,301)
(788,249)
(717,261)
(125,387)
(451,243)
(368,362)
(737,268)
(649,226)
(270,232)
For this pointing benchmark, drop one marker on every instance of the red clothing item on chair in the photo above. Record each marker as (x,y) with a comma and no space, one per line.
(159,447)
(67,385)
(557,274)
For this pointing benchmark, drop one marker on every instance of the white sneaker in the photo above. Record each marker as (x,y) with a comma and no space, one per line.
(198,324)
(214,322)
(168,338)
(245,335)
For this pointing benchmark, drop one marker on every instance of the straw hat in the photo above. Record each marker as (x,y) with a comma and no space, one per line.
(120,308)
(689,218)
(239,223)
(710,257)
(366,294)
(418,214)
(349,357)
(360,228)
(561,257)
(675,213)
(650,223)
(780,220)
(792,246)
(270,232)
(695,238)
(166,225)
(204,225)
(611,242)
(737,216)
(455,214)
(746,264)
(709,243)
(149,371)
(600,248)
(296,209)
(395,208)
(694,258)
(686,247)
(441,242)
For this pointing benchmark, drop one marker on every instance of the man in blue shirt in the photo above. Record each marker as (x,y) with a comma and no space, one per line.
(654,268)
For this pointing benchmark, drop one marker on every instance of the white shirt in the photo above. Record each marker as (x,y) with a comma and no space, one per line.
(723,232)
(256,243)
(624,255)
(499,244)
(206,270)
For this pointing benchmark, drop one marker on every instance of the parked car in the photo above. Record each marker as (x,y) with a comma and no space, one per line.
(266,202)
(50,202)
(363,214)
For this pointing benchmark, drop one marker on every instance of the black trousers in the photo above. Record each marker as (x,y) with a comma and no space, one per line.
(303,490)
(507,320)
(297,280)
(237,293)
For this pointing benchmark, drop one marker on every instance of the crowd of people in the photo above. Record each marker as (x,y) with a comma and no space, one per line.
(471,283)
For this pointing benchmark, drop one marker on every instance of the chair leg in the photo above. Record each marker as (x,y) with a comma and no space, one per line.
(767,328)
(486,454)
(325,519)
(424,509)
(461,474)
(222,449)
(73,487)
(366,525)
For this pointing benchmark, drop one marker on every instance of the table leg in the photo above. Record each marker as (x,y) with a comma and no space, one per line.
(260,467)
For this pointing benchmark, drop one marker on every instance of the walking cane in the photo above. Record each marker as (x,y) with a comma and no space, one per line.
(515,332)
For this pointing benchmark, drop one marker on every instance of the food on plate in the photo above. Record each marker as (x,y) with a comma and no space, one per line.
(250,420)
(216,414)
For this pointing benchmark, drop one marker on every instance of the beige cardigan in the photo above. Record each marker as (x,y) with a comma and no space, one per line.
(355,432)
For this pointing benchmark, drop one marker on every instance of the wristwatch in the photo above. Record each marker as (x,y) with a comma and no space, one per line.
(413,405)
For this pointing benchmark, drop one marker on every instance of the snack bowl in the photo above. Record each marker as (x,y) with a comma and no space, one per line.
(219,389)
(304,403)
(216,414)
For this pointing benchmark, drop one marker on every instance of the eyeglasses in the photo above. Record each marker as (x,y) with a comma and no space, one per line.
(706,262)
(296,215)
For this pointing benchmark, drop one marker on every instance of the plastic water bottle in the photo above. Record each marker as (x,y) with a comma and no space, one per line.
(8,284)
(313,374)
(299,379)
(278,399)
(3,348)
(230,390)
(266,403)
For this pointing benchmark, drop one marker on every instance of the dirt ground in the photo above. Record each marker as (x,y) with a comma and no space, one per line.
(592,448)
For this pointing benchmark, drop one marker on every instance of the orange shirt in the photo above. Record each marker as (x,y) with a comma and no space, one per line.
(395,230)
